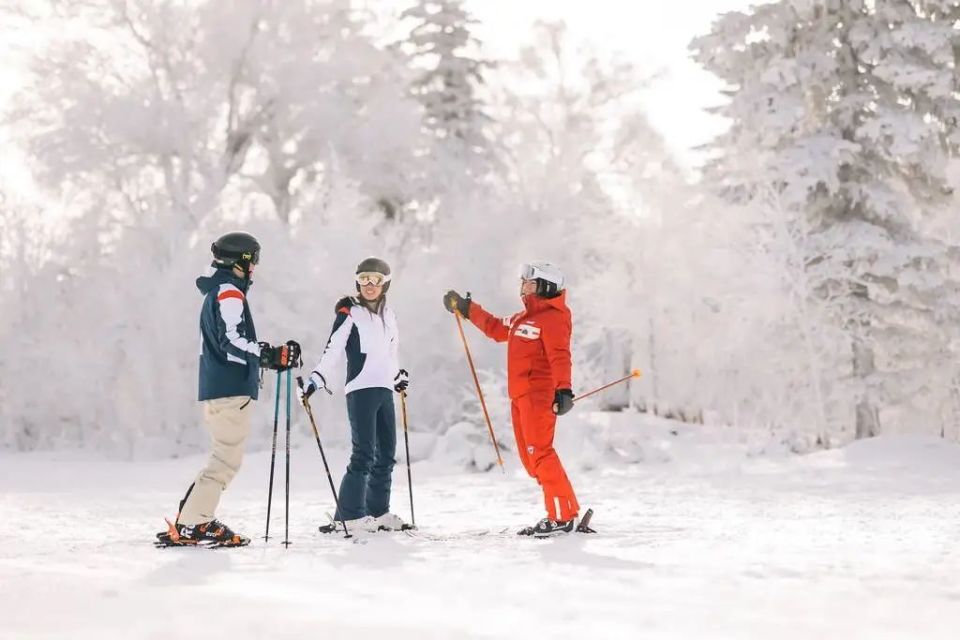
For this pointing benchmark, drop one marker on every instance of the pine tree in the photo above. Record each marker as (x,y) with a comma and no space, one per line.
(846,111)
(443,45)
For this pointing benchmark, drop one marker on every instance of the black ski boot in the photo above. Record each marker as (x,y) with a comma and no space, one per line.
(548,528)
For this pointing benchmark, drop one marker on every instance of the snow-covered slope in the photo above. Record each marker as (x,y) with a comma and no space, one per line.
(705,539)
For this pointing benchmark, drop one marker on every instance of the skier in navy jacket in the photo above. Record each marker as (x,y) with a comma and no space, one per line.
(230,362)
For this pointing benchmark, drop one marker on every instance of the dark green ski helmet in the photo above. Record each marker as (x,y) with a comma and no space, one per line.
(236,249)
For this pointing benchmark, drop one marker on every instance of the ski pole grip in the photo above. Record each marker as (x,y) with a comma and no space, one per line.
(300,382)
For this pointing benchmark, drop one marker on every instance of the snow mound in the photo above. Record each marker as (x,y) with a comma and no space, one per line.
(919,454)
(601,439)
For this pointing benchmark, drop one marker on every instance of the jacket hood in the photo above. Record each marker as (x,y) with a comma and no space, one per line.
(206,284)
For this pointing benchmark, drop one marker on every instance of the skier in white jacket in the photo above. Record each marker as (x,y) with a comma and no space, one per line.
(365,329)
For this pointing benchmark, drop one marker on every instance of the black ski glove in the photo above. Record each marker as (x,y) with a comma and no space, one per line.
(280,358)
(267,355)
(401,381)
(294,358)
(562,401)
(453,301)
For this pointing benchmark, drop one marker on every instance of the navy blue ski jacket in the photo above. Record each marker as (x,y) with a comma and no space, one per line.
(229,353)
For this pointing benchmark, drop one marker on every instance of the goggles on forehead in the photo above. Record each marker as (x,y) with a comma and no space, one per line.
(542,272)
(372,278)
(534,271)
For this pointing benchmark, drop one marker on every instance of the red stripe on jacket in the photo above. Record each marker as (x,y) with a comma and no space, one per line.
(233,293)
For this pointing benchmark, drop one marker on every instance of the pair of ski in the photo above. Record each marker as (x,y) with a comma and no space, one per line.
(582,527)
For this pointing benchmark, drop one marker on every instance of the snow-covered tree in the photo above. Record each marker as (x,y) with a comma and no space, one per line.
(263,95)
(847,113)
(159,126)
(337,102)
(578,182)
(445,51)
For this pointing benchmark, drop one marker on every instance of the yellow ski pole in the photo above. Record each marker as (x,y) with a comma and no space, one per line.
(633,374)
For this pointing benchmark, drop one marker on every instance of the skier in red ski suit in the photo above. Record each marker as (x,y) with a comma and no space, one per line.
(538,381)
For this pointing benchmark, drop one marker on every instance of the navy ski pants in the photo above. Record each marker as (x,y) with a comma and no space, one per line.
(365,489)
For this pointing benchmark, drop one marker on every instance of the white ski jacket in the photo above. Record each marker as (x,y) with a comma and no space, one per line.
(369,340)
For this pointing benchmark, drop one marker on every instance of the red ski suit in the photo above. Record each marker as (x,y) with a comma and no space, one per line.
(538,363)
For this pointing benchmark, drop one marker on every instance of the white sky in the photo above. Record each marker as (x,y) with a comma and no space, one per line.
(653,32)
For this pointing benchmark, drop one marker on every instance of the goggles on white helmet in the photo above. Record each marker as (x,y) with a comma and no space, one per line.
(548,276)
(542,270)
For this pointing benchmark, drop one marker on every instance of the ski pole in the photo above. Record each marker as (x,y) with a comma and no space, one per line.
(286,515)
(316,434)
(406,445)
(273,456)
(633,374)
(476,381)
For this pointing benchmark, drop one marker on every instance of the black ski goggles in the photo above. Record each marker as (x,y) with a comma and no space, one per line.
(232,258)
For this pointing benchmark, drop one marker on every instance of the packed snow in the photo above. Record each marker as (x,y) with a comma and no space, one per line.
(708,533)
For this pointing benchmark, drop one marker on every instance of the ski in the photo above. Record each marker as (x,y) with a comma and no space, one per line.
(582,527)
(170,538)
(164,541)
(333,526)
(329,528)
(460,535)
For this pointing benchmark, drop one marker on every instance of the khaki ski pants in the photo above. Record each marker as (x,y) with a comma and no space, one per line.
(228,421)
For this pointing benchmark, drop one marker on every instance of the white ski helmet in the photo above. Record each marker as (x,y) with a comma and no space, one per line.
(548,276)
